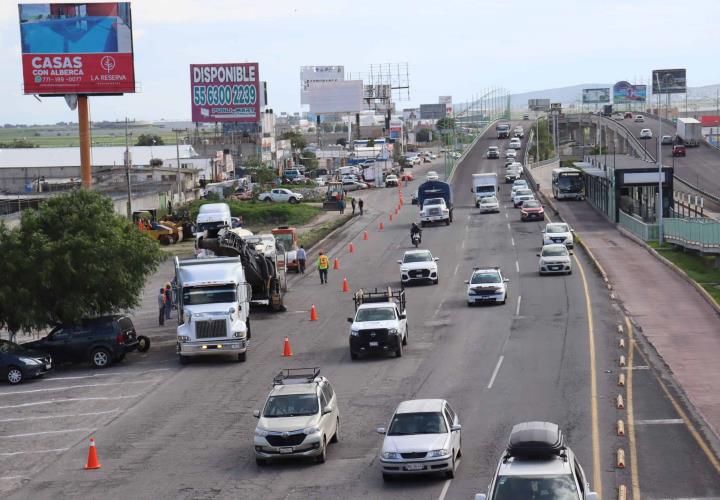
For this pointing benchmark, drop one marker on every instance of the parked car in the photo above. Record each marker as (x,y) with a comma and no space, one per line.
(526,116)
(354,185)
(280,195)
(101,341)
(678,150)
(18,363)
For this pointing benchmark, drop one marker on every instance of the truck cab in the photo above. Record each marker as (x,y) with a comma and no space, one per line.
(379,324)
(484,185)
(435,200)
(286,240)
(214,305)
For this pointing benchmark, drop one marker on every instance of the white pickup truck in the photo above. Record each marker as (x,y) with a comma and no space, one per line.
(281,195)
(380,323)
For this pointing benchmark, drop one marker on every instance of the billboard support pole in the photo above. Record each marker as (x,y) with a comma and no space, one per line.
(84,125)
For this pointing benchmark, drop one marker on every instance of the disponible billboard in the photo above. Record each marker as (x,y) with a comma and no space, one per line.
(625,92)
(225,92)
(595,96)
(77,48)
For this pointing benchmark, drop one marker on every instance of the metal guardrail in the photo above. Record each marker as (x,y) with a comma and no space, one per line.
(696,233)
(645,232)
(470,147)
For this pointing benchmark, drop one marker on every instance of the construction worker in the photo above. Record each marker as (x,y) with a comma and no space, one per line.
(323,264)
(361,204)
(161,298)
(301,256)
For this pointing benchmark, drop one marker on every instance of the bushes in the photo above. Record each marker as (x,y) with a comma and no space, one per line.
(256,214)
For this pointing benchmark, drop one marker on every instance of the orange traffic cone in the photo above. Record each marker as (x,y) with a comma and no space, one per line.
(351,247)
(313,313)
(381,226)
(390,217)
(365,235)
(287,350)
(396,211)
(92,461)
(345,287)
(336,263)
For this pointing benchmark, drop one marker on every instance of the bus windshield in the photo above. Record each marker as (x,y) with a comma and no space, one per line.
(572,183)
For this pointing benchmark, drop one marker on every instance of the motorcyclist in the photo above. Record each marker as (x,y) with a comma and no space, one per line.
(415,229)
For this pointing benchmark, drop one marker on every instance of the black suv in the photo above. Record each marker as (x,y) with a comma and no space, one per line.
(101,341)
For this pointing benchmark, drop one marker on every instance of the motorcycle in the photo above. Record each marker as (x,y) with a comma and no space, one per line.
(415,238)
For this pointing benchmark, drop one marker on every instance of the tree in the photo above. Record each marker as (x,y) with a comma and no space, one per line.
(309,160)
(423,135)
(77,258)
(147,140)
(297,140)
(446,123)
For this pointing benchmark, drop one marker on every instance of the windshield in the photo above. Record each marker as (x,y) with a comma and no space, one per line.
(483,278)
(209,226)
(404,424)
(485,189)
(531,204)
(573,182)
(291,405)
(547,488)
(524,192)
(417,257)
(554,252)
(560,228)
(379,314)
(285,240)
(8,347)
(434,201)
(208,295)
(489,200)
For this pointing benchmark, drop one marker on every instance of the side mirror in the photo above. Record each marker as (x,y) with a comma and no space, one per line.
(537,254)
(571,253)
(455,427)
(327,410)
(256,413)
(350,320)
(381,430)
(403,316)
(437,259)
(467,282)
(506,280)
(399,262)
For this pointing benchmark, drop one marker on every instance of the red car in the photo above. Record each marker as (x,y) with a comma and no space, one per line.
(532,210)
(678,150)
(407,177)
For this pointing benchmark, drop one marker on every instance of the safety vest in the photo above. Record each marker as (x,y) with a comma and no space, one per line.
(323,262)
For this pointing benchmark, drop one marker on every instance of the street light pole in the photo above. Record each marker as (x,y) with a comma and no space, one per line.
(128,162)
(660,176)
(177,152)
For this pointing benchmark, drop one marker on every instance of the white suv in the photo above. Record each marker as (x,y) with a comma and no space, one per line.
(515,143)
(486,284)
(418,265)
(299,419)
(423,438)
(558,232)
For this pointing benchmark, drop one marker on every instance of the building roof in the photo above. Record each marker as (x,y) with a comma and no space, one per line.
(101,156)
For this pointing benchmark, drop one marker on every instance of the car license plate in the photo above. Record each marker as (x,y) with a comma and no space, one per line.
(414,467)
(286,449)
(373,344)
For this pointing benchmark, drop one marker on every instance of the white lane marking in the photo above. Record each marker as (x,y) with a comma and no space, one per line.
(517,309)
(509,228)
(495,372)
(68,400)
(506,216)
(68,387)
(463,245)
(641,367)
(517,266)
(457,266)
(467,229)
(110,374)
(69,415)
(512,240)
(13,453)
(446,486)
(29,434)
(660,421)
(10,478)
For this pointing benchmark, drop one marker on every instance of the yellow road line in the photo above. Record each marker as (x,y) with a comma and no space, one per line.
(634,478)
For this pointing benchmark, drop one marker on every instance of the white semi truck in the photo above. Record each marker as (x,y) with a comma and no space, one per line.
(213,308)
(689,132)
(484,185)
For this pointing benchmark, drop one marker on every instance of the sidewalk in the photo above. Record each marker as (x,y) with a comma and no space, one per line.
(682,327)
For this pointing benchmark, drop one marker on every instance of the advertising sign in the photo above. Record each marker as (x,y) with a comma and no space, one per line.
(445,99)
(539,104)
(625,92)
(311,74)
(336,97)
(77,48)
(595,96)
(669,81)
(396,128)
(433,111)
(225,92)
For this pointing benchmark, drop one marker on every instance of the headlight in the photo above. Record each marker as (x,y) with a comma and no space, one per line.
(438,453)
(237,334)
(392,331)
(311,430)
(259,431)
(523,212)
(392,455)
(354,332)
(183,338)
(29,361)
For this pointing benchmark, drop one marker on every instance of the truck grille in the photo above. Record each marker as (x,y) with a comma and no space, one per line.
(380,335)
(419,273)
(291,440)
(415,454)
(434,211)
(210,329)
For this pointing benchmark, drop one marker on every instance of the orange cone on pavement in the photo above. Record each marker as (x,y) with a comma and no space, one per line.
(345,287)
(287,350)
(381,226)
(390,217)
(336,263)
(351,247)
(365,235)
(92,460)
(313,313)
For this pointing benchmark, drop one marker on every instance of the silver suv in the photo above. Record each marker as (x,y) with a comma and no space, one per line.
(299,419)
(537,464)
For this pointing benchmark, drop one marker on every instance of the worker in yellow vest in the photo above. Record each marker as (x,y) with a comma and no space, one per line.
(323,264)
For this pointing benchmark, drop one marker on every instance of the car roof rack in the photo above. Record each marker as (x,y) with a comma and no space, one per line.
(288,376)
(536,440)
(387,295)
(475,268)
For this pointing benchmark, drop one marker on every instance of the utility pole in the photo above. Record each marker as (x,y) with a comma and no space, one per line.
(128,164)
(177,152)
(660,172)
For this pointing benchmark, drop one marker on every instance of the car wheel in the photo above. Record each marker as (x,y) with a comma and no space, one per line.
(241,357)
(477,205)
(447,222)
(436,281)
(399,351)
(14,375)
(387,477)
(261,462)
(184,360)
(143,343)
(292,200)
(353,355)
(336,436)
(470,304)
(451,473)
(247,327)
(267,199)
(323,454)
(405,338)
(100,358)
(570,271)
(422,223)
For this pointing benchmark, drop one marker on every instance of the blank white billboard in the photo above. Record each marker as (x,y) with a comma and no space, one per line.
(314,74)
(336,97)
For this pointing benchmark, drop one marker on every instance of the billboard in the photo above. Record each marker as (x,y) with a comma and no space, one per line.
(445,99)
(433,111)
(595,96)
(396,128)
(311,74)
(539,104)
(336,97)
(624,92)
(669,81)
(77,48)
(225,92)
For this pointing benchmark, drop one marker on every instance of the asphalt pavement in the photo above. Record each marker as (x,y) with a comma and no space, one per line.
(188,433)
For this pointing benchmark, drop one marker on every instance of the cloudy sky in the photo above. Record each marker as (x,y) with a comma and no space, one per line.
(452,47)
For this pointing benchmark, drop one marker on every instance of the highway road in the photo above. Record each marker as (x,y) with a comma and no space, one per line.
(550,353)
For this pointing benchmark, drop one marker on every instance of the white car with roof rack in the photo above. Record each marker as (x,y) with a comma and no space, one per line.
(486,284)
(418,265)
(537,464)
(558,232)
(379,324)
(299,419)
(423,438)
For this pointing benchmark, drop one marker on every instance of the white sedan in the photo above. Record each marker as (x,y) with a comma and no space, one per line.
(489,204)
(511,153)
(353,185)
(554,258)
(432,176)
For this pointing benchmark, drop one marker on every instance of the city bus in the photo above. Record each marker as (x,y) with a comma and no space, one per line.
(567,183)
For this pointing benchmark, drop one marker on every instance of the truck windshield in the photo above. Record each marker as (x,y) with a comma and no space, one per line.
(572,183)
(546,487)
(209,226)
(379,314)
(291,405)
(208,295)
(434,201)
(485,189)
(286,240)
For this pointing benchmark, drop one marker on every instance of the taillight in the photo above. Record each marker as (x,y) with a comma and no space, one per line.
(120,339)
